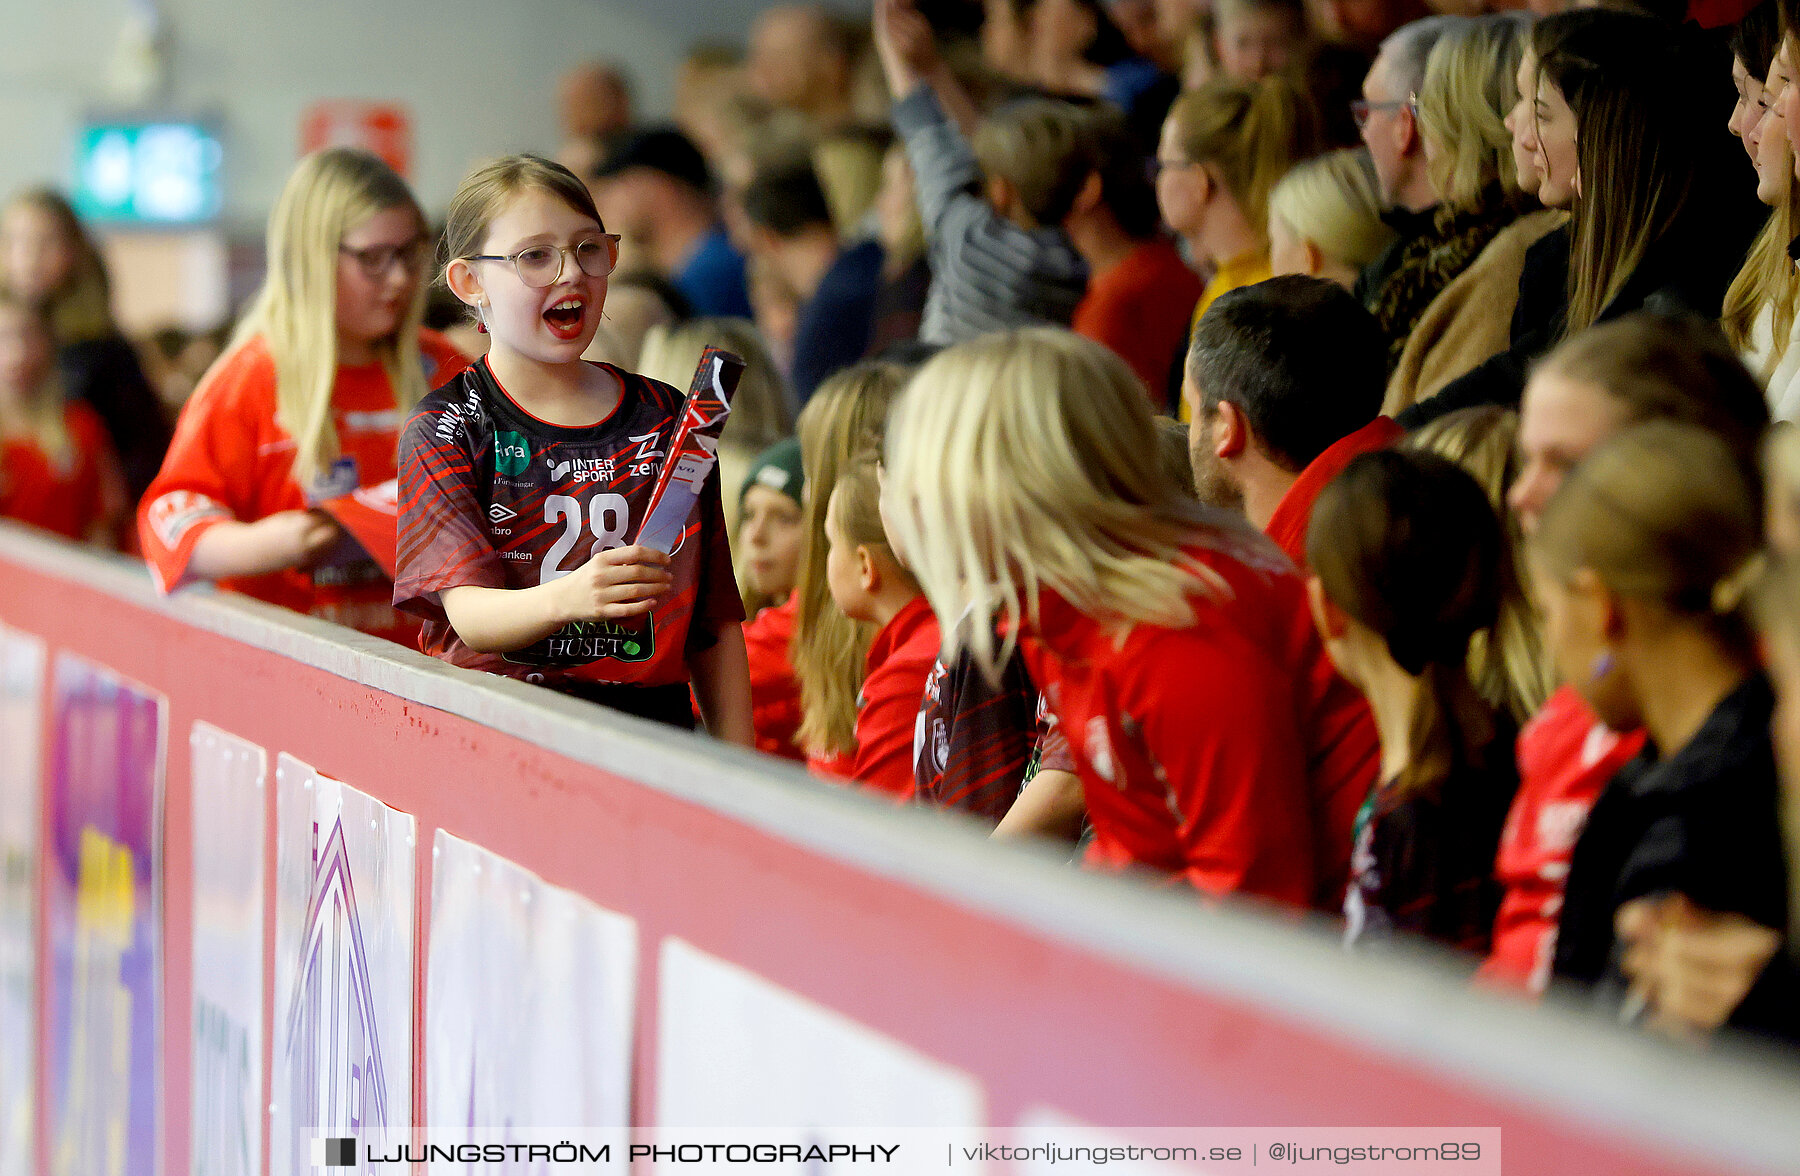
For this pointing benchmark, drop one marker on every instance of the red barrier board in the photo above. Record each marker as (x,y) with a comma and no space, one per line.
(1092,999)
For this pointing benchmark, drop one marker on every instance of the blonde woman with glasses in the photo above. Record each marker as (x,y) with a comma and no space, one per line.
(306,403)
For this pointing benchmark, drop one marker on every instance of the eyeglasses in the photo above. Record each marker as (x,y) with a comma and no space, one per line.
(377,260)
(539,266)
(1362,108)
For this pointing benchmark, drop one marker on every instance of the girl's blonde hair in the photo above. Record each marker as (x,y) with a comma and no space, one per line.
(1470,84)
(1248,135)
(845,417)
(1661,512)
(1507,663)
(1768,278)
(46,424)
(762,410)
(1332,201)
(295,312)
(1023,461)
(80,309)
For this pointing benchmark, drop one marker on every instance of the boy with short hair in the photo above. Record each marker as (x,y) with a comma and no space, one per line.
(992,211)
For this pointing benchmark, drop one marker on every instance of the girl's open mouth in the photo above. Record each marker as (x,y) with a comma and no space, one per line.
(565,318)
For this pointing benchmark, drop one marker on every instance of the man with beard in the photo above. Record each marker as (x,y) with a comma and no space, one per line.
(1284,384)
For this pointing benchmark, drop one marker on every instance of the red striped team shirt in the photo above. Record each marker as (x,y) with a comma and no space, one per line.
(493,497)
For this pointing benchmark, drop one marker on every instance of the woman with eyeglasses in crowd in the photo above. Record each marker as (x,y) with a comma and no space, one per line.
(306,404)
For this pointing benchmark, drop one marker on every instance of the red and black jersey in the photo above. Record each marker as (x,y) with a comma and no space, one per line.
(975,741)
(493,497)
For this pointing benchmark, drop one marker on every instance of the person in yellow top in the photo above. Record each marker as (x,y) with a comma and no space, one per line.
(1223,148)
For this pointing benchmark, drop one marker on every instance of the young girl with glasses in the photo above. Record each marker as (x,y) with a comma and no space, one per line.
(305,405)
(524,480)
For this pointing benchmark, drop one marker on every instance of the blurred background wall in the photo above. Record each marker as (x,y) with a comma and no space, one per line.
(476,78)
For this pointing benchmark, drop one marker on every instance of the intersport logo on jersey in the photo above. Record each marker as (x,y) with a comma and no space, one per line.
(583,469)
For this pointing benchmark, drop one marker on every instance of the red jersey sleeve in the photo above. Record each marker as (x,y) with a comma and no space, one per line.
(443,543)
(208,474)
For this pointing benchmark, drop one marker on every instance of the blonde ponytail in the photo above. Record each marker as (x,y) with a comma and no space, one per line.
(1248,135)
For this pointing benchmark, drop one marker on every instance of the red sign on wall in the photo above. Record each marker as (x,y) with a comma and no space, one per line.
(382,128)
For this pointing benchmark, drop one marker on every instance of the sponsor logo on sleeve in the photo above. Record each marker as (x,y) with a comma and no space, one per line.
(176,513)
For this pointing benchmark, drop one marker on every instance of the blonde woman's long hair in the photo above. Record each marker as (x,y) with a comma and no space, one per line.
(1024,461)
(1507,663)
(1332,201)
(329,194)
(1470,84)
(845,417)
(80,309)
(1768,278)
(1248,135)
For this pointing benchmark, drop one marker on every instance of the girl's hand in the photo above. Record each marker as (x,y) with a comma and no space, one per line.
(1691,967)
(307,534)
(622,582)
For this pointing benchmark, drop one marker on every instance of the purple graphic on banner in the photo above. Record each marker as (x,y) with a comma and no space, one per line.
(334,1049)
(105,785)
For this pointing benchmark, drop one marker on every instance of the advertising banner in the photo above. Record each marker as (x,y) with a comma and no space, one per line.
(104,911)
(741,1059)
(342,1052)
(21,687)
(529,1000)
(228,804)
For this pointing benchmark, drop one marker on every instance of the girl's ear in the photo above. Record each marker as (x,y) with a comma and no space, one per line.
(463,281)
(868,571)
(1603,608)
(1088,198)
(1331,621)
(1315,259)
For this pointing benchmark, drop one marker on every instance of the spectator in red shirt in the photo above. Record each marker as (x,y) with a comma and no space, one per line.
(771,537)
(1284,385)
(1140,296)
(1643,367)
(1171,642)
(870,585)
(57,469)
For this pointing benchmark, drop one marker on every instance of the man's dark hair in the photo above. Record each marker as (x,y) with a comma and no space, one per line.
(1119,160)
(1300,358)
(786,198)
